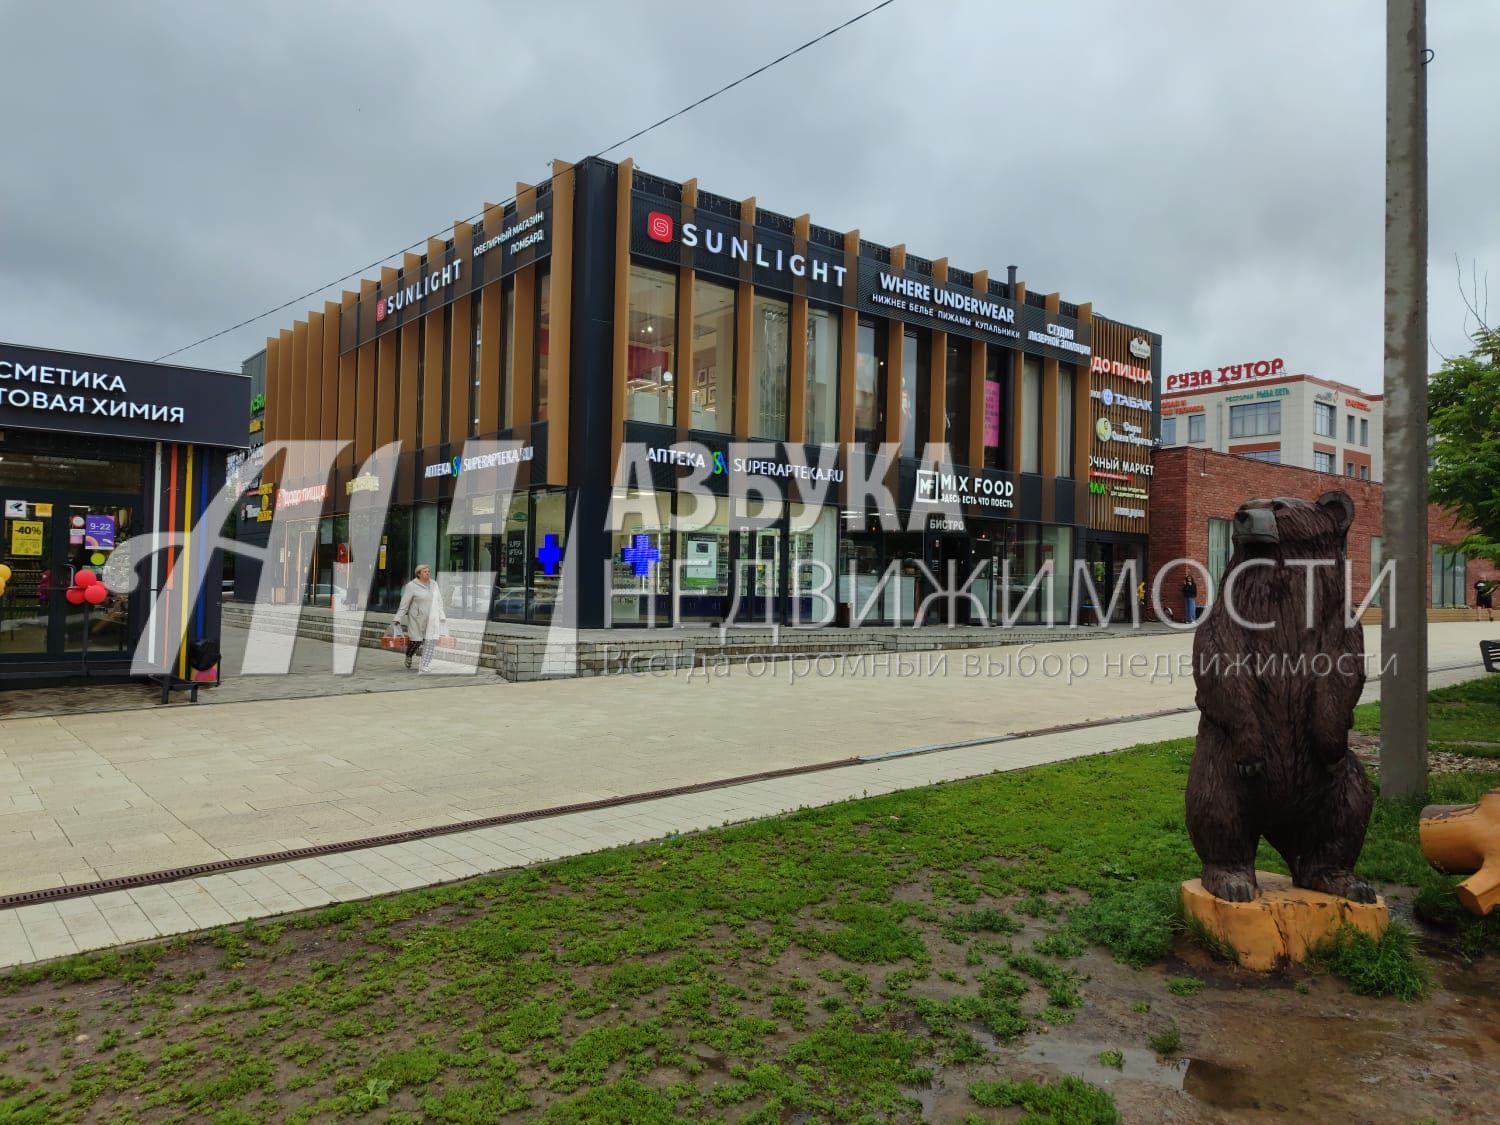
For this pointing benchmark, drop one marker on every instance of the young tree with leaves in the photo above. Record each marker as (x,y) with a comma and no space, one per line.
(1464,421)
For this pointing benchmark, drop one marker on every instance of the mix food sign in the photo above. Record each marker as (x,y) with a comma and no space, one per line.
(83,394)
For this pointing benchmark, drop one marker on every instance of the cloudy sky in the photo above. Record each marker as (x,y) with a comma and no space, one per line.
(1214,172)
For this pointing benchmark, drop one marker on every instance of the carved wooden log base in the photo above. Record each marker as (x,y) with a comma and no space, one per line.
(1457,839)
(1283,923)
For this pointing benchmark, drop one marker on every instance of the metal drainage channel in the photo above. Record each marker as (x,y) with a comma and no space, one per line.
(218,866)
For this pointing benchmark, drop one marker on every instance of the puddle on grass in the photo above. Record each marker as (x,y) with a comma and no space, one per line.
(944,1102)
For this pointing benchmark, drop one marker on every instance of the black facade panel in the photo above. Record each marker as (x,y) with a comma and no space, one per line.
(1065,501)
(538,463)
(590,373)
(1029,498)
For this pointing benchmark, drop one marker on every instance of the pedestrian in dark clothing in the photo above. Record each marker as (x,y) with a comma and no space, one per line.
(1190,597)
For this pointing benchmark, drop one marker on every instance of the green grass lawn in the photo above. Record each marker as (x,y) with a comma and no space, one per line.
(1461,718)
(820,964)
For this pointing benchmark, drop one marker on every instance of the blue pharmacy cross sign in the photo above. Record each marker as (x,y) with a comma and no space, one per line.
(549,554)
(640,555)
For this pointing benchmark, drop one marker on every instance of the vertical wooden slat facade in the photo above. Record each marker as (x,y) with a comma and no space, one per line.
(895,335)
(491,388)
(433,375)
(744,328)
(848,350)
(1111,344)
(328,409)
(796,405)
(386,348)
(625,172)
(348,389)
(937,379)
(408,366)
(521,336)
(560,332)
(1017,379)
(296,372)
(371,393)
(461,398)
(367,380)
(685,363)
(312,429)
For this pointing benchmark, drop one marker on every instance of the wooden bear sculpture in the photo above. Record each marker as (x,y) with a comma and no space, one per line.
(1278,672)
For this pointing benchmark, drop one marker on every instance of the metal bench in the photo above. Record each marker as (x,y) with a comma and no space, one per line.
(1490,651)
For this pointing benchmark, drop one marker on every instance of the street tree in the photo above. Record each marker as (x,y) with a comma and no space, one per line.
(1464,427)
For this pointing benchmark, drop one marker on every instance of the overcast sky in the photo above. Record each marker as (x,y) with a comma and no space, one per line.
(1213,172)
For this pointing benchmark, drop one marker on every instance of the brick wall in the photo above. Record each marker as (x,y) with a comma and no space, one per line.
(1191,486)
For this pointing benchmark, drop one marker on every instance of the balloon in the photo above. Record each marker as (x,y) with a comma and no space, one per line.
(97,558)
(85,578)
(4,573)
(95,593)
(2,586)
(74,595)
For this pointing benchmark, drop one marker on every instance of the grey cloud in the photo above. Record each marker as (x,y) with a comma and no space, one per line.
(1213,172)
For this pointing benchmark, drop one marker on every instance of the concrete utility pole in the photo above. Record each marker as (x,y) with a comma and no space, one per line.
(1403,630)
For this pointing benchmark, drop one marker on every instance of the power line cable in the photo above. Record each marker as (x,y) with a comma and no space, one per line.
(511,199)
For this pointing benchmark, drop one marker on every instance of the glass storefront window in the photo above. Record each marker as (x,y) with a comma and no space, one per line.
(641,559)
(424,540)
(1031,415)
(1057,547)
(869,382)
(651,347)
(713,356)
(104,628)
(508,602)
(550,539)
(704,564)
(994,398)
(393,562)
(910,358)
(769,361)
(474,353)
(822,375)
(43,470)
(46,544)
(956,396)
(1220,545)
(812,547)
(757,573)
(508,356)
(1065,382)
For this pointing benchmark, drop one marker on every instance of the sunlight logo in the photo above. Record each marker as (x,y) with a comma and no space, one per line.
(379,310)
(659,226)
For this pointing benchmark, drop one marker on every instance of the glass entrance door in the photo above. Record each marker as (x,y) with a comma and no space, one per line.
(758,572)
(94,531)
(47,544)
(26,603)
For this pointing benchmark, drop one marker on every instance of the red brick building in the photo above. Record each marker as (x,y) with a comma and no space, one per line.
(1195,493)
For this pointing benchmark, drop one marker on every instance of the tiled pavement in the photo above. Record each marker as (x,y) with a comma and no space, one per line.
(98,796)
(48,930)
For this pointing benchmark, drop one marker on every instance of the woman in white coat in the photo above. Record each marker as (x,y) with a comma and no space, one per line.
(421,615)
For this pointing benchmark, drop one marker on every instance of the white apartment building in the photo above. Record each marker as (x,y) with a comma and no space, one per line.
(1286,419)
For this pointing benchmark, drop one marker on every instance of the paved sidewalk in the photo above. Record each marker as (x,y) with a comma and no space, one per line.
(93,797)
(48,930)
(90,797)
